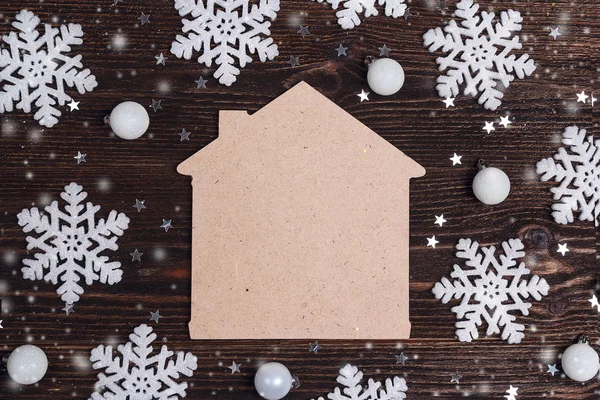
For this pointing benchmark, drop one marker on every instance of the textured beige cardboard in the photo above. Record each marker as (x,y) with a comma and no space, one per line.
(300,226)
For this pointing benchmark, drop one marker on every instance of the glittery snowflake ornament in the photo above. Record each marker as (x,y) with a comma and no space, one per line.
(578,172)
(350,378)
(478,54)
(490,289)
(139,375)
(348,16)
(35,69)
(226,30)
(70,243)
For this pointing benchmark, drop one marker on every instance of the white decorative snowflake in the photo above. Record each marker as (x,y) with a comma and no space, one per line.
(490,289)
(34,70)
(226,30)
(140,376)
(350,378)
(479,54)
(70,244)
(348,16)
(578,173)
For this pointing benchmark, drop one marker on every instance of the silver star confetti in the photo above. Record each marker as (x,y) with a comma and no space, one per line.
(594,302)
(341,50)
(512,393)
(74,105)
(156,105)
(144,19)
(80,157)
(363,96)
(401,359)
(431,242)
(136,255)
(234,367)
(303,31)
(1,327)
(155,316)
(166,224)
(593,99)
(442,6)
(184,135)
(439,220)
(160,59)
(554,33)
(456,159)
(139,205)
(455,378)
(552,369)
(294,61)
(489,126)
(314,347)
(201,83)
(407,14)
(449,102)
(562,248)
(68,309)
(384,51)
(505,121)
(582,97)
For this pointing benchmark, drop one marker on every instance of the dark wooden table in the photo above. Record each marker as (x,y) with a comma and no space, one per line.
(36,163)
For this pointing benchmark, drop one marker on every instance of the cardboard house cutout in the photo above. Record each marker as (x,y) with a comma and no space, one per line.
(300,226)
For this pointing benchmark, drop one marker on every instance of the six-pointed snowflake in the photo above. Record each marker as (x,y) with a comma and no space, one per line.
(490,289)
(350,378)
(70,243)
(478,54)
(348,16)
(35,70)
(578,173)
(226,30)
(139,375)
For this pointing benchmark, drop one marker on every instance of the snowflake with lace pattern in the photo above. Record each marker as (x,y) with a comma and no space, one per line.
(478,54)
(139,375)
(226,30)
(578,172)
(34,68)
(350,378)
(490,289)
(70,243)
(348,16)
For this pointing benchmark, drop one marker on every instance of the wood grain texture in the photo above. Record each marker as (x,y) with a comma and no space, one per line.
(415,120)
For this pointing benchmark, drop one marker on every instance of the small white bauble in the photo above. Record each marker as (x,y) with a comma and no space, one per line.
(385,76)
(580,362)
(27,364)
(491,185)
(129,120)
(273,381)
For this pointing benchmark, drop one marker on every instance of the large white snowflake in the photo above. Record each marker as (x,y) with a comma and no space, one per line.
(70,243)
(140,375)
(479,54)
(348,16)
(35,70)
(490,289)
(350,378)
(226,30)
(578,173)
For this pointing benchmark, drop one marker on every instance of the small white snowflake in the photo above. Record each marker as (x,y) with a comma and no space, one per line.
(348,16)
(350,378)
(70,244)
(490,288)
(35,69)
(226,30)
(140,375)
(478,54)
(578,172)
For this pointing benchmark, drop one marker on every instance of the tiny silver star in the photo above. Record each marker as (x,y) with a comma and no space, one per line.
(489,126)
(166,224)
(582,97)
(552,369)
(80,157)
(384,51)
(442,5)
(234,367)
(74,105)
(401,359)
(144,19)
(449,102)
(201,83)
(455,159)
(303,31)
(314,347)
(512,392)
(455,377)
(1,327)
(439,220)
(136,255)
(341,50)
(139,205)
(68,309)
(594,302)
(431,242)
(155,316)
(363,95)
(156,105)
(593,99)
(562,248)
(554,33)
(505,121)
(160,59)
(184,135)
(294,61)
(115,2)
(407,14)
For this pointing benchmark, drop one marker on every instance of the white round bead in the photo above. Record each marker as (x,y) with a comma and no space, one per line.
(491,186)
(580,362)
(129,120)
(385,76)
(273,381)
(27,364)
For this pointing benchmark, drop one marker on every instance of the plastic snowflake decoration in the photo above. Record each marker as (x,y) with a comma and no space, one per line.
(578,172)
(70,243)
(350,378)
(490,290)
(140,375)
(478,54)
(226,30)
(348,16)
(34,69)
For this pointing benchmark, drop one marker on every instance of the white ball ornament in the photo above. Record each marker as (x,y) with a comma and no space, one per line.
(129,120)
(580,361)
(491,185)
(385,76)
(27,364)
(273,381)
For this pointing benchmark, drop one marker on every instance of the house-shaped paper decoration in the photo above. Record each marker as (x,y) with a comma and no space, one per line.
(300,226)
